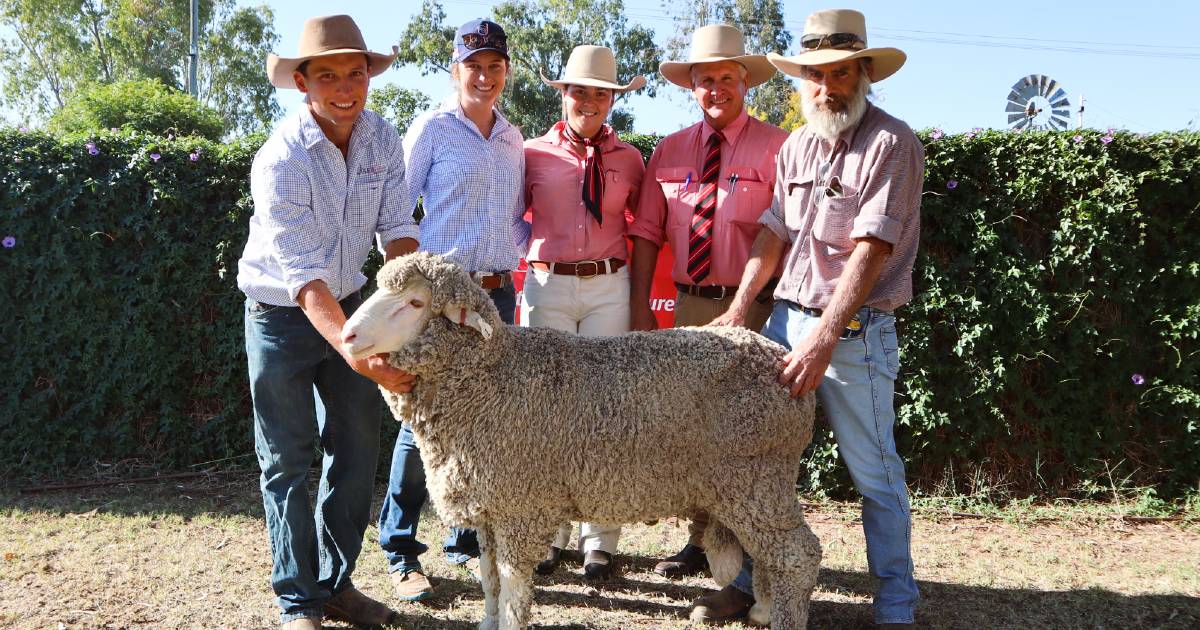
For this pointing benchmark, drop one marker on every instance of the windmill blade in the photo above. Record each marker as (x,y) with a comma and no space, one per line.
(1058,123)
(1061,103)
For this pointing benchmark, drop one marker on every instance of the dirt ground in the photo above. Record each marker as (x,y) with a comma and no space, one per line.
(193,553)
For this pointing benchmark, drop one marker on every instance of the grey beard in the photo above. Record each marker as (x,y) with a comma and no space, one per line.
(829,125)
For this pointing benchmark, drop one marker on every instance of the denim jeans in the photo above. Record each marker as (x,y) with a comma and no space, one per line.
(856,395)
(304,393)
(406,493)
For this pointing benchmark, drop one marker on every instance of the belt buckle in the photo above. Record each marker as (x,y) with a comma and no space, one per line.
(595,269)
(724,292)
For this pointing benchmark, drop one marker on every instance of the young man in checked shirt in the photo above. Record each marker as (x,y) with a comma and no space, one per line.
(328,178)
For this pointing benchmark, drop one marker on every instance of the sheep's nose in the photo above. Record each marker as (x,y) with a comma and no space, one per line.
(348,336)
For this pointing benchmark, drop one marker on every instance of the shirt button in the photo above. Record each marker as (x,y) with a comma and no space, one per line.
(581,227)
(579,250)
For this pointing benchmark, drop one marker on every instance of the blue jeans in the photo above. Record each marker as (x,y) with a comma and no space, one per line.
(401,511)
(856,395)
(304,393)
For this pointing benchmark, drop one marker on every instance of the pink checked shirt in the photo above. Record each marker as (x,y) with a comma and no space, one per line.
(744,191)
(563,229)
(873,189)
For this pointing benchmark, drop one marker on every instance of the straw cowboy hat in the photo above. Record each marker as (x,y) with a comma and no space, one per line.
(836,35)
(718,42)
(321,37)
(593,66)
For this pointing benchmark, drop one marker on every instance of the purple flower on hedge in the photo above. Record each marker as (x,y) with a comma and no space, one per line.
(24,130)
(91,148)
(952,184)
(1078,138)
(194,156)
(937,133)
(9,242)
(155,156)
(1106,138)
(1138,379)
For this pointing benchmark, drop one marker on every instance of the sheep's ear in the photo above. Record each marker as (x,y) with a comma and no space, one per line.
(466,317)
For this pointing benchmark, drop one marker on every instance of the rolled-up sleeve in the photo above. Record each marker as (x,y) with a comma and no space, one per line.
(650,214)
(396,209)
(887,198)
(283,198)
(773,217)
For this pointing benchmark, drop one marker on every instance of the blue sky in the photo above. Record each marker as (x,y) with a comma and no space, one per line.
(1130,60)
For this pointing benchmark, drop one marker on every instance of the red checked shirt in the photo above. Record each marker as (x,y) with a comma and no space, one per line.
(871,188)
(563,230)
(745,182)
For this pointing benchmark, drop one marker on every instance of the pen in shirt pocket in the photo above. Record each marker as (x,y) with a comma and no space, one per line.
(687,183)
(733,183)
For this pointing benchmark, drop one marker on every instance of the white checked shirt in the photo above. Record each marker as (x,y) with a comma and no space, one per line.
(473,188)
(315,211)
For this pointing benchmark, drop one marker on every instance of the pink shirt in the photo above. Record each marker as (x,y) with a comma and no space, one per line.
(874,190)
(745,182)
(563,229)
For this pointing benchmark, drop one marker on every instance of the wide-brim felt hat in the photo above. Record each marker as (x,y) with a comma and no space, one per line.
(718,42)
(822,26)
(593,66)
(322,37)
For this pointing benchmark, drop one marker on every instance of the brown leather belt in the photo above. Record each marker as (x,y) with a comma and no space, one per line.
(582,269)
(490,280)
(717,292)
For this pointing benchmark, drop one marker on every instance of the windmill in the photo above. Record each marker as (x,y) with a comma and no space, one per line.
(1038,102)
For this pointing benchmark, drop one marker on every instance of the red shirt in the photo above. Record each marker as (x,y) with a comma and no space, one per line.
(563,229)
(745,182)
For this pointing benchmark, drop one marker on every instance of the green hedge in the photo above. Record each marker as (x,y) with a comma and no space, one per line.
(1052,271)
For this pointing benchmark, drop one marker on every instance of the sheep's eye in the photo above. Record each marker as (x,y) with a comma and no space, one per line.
(417,303)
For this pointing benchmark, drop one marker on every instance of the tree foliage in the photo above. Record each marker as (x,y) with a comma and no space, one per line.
(761,23)
(60,46)
(144,105)
(541,35)
(396,104)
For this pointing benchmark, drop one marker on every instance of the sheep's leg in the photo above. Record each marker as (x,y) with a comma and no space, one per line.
(516,553)
(489,578)
(793,578)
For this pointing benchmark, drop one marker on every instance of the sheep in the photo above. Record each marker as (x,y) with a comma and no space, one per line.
(522,429)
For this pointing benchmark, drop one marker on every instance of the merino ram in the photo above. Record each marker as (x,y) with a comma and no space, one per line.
(522,429)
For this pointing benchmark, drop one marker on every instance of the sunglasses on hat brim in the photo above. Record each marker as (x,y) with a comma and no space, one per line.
(834,40)
(475,41)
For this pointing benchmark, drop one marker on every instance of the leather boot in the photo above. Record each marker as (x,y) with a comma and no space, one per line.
(597,565)
(550,563)
(724,605)
(689,561)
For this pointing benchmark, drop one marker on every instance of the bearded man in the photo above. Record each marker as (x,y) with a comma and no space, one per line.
(845,220)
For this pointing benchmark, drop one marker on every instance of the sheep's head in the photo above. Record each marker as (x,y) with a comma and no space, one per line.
(413,289)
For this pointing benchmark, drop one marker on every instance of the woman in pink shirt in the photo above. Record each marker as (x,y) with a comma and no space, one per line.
(581,189)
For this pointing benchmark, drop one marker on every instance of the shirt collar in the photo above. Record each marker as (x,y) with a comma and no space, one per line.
(555,136)
(311,134)
(455,108)
(731,131)
(845,138)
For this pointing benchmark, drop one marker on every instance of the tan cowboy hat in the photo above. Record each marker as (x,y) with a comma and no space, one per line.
(321,37)
(593,66)
(718,42)
(836,35)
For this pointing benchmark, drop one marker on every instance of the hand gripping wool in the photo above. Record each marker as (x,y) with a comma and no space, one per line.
(522,429)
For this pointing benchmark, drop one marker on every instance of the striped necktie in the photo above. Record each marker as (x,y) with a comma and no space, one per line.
(700,234)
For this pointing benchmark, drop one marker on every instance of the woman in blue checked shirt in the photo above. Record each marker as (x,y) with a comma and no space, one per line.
(467,163)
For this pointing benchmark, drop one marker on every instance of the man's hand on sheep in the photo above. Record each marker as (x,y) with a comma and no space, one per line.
(804,367)
(376,368)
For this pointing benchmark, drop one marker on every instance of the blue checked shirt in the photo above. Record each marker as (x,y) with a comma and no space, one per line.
(315,212)
(473,188)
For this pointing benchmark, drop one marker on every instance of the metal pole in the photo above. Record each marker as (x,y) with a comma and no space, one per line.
(1081,111)
(194,53)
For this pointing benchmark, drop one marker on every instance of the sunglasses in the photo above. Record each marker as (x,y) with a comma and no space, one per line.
(475,41)
(835,40)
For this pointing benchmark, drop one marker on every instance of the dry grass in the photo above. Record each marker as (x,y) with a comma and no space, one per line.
(194,554)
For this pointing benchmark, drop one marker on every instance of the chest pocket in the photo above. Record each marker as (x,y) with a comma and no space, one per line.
(681,190)
(616,193)
(798,195)
(835,220)
(363,207)
(748,196)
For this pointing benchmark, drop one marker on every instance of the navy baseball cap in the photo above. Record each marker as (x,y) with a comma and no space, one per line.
(479,35)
